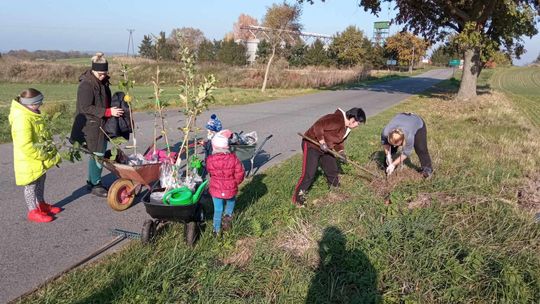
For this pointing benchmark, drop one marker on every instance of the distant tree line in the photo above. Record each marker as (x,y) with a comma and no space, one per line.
(162,47)
(45,55)
(348,49)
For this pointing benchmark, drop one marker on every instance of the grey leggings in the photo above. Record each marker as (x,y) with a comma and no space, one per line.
(33,192)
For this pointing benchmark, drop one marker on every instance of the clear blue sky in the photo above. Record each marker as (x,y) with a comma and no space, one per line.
(102,24)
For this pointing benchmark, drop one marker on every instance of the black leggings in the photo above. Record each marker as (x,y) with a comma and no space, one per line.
(420,147)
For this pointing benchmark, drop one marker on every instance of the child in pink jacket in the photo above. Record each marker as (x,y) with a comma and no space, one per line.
(226,173)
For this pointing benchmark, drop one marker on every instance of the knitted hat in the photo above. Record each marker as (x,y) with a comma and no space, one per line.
(219,141)
(37,100)
(214,124)
(99,63)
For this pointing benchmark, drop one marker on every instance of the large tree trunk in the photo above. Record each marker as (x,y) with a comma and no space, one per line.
(471,70)
(268,68)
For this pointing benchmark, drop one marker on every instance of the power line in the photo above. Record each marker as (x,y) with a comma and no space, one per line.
(130,43)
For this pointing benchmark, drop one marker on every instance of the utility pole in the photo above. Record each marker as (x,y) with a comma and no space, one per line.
(130,43)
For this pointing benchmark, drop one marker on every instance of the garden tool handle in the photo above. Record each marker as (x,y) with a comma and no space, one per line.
(331,151)
(337,155)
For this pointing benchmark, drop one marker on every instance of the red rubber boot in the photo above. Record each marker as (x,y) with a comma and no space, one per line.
(47,208)
(39,217)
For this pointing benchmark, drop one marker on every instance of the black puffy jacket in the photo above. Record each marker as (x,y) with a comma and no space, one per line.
(119,126)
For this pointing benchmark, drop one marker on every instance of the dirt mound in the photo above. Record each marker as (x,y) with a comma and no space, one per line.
(529,194)
(242,254)
(384,186)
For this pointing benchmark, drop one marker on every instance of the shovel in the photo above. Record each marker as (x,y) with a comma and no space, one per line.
(338,156)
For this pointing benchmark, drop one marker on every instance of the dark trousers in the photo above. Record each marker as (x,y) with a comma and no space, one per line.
(421,149)
(311,160)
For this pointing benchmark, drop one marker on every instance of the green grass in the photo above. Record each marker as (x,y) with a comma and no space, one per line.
(469,243)
(523,86)
(85,61)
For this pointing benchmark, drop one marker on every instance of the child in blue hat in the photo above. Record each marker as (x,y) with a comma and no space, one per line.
(213,126)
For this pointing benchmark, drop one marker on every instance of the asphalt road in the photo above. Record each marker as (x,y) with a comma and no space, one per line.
(31,253)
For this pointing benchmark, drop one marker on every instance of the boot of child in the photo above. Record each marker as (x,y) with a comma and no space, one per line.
(37,216)
(47,208)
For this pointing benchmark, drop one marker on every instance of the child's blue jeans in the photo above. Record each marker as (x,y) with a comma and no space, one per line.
(218,210)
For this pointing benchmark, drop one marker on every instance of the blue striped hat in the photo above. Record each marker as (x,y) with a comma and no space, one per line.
(214,124)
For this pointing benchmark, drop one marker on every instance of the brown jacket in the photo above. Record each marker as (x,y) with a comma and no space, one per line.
(332,128)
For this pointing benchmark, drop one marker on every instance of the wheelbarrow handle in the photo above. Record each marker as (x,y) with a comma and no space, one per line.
(259,148)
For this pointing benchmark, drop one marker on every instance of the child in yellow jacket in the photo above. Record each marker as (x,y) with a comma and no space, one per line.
(29,161)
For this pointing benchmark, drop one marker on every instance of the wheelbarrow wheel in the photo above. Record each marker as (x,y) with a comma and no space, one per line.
(148,232)
(121,194)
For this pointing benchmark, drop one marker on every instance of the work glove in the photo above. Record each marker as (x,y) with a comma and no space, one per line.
(324,147)
(390,169)
(343,156)
(388,158)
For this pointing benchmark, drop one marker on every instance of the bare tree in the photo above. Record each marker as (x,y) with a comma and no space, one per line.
(283,19)
(187,37)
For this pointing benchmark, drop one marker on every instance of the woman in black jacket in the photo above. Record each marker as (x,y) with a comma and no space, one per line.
(93,109)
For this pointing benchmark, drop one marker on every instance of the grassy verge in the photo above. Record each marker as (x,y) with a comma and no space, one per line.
(456,238)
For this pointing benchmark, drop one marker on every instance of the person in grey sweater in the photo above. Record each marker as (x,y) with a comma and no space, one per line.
(408,131)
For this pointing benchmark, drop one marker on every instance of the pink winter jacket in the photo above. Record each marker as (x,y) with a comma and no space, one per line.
(226,173)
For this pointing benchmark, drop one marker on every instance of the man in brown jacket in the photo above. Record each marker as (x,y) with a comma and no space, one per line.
(330,131)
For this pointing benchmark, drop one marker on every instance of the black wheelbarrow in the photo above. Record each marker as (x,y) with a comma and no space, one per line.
(191,215)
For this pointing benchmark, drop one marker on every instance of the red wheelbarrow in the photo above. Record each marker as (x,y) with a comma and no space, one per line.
(130,182)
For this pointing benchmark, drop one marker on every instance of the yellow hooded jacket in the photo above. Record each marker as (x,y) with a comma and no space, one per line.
(27,130)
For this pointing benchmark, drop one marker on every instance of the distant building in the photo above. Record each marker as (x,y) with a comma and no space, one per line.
(251,49)
(262,33)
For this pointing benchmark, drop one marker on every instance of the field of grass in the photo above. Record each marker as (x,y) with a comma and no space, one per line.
(523,86)
(84,61)
(459,237)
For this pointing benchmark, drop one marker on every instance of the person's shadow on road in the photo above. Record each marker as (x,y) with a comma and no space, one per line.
(342,276)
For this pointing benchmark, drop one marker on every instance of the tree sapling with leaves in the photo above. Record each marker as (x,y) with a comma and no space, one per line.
(195,97)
